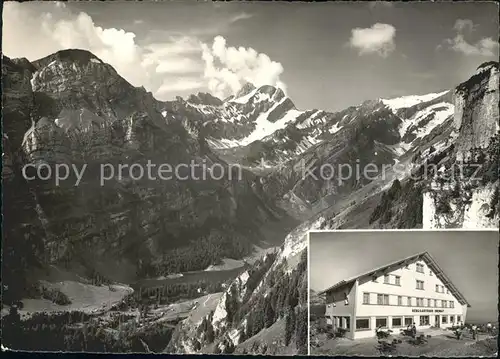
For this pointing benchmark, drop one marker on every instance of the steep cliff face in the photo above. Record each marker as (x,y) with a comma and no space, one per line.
(476,110)
(465,194)
(71,108)
(22,231)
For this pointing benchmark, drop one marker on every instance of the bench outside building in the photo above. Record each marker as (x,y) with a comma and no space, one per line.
(394,296)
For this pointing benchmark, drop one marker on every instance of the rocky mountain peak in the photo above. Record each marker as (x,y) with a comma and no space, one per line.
(276,92)
(488,66)
(251,94)
(77,56)
(204,98)
(245,89)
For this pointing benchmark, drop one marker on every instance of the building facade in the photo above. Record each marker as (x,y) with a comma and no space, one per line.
(411,291)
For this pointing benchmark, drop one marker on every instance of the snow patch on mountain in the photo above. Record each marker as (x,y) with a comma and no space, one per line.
(263,127)
(220,313)
(296,241)
(245,98)
(334,128)
(408,101)
(310,121)
(223,143)
(441,112)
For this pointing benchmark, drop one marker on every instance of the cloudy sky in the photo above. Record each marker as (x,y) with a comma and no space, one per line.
(469,259)
(326,55)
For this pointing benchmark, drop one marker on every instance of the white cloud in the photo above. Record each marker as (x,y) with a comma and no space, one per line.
(464,25)
(483,47)
(228,68)
(178,65)
(44,28)
(238,17)
(378,39)
(172,86)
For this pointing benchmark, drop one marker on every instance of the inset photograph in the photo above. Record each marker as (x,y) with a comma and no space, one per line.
(404,293)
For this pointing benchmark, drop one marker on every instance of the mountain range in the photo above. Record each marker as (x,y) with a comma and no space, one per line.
(436,151)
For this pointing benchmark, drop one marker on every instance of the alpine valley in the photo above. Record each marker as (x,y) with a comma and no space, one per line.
(213,266)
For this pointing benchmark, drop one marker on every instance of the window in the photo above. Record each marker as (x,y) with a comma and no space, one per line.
(452,304)
(366,298)
(382,299)
(437,288)
(386,279)
(424,320)
(444,319)
(400,300)
(408,321)
(397,280)
(429,303)
(420,302)
(409,302)
(447,291)
(420,268)
(435,303)
(420,284)
(430,273)
(362,323)
(452,319)
(397,322)
(459,318)
(381,322)
(347,325)
(444,303)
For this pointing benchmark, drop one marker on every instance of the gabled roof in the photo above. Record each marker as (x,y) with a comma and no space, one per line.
(425,256)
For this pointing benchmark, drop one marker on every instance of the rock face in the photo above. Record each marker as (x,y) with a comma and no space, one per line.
(22,230)
(470,198)
(476,115)
(71,108)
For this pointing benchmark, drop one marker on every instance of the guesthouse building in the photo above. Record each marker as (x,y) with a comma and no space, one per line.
(413,290)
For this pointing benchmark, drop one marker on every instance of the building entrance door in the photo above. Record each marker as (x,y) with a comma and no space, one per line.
(437,318)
